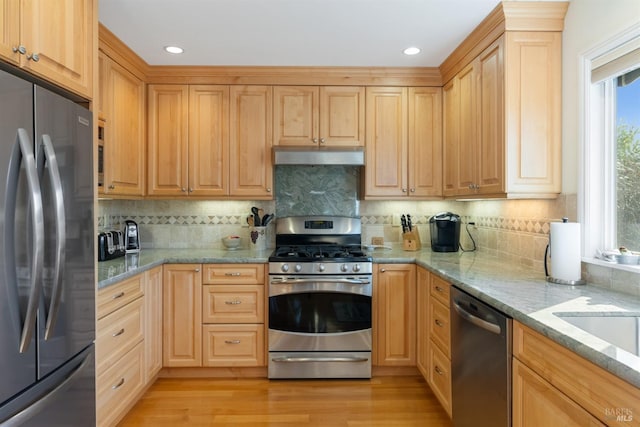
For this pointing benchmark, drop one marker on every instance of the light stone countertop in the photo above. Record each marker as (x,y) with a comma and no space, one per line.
(521,293)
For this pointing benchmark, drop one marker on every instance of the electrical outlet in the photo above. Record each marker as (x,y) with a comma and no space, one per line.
(379,241)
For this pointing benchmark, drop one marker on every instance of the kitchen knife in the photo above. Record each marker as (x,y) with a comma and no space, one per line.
(403,221)
(409,222)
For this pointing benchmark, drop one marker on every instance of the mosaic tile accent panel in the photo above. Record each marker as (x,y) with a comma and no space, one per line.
(317,190)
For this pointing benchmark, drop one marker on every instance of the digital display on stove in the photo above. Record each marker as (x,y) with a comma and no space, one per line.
(318,224)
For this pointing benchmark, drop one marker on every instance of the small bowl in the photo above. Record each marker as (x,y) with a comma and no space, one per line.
(231,242)
(628,259)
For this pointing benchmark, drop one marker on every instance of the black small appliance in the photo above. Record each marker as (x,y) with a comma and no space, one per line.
(132,236)
(445,232)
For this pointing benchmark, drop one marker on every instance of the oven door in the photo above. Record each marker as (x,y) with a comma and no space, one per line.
(320,313)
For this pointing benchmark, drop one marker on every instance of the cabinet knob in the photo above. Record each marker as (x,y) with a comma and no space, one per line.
(322,140)
(268,189)
(190,189)
(19,49)
(184,190)
(314,140)
(382,270)
(413,190)
(404,190)
(112,187)
(197,270)
(34,57)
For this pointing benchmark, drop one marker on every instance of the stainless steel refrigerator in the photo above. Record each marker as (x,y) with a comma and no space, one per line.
(47,290)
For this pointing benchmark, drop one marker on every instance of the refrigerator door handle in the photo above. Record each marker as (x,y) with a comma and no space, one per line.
(23,152)
(22,416)
(48,154)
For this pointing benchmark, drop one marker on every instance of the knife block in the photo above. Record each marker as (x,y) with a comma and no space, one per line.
(411,241)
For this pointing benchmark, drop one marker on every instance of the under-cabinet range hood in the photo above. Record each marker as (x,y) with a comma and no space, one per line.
(315,155)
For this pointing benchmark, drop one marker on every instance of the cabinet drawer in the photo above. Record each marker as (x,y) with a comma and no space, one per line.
(439,327)
(439,376)
(233,345)
(118,333)
(227,274)
(233,304)
(590,386)
(113,297)
(118,386)
(440,290)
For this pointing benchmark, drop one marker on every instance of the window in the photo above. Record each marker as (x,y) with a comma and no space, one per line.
(611,155)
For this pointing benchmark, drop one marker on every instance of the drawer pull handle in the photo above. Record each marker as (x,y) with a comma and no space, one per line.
(439,289)
(438,370)
(233,274)
(236,302)
(232,341)
(439,323)
(117,334)
(117,386)
(118,295)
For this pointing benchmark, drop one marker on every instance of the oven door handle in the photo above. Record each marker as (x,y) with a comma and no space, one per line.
(320,280)
(286,359)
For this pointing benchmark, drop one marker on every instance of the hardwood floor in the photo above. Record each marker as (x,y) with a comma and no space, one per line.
(381,401)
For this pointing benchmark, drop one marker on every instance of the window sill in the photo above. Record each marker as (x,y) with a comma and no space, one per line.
(613,265)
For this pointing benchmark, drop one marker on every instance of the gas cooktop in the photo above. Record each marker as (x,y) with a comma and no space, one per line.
(319,252)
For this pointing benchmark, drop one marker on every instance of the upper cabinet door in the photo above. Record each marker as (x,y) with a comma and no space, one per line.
(208,140)
(342,112)
(59,38)
(10,30)
(250,135)
(168,120)
(425,142)
(386,152)
(123,109)
(295,115)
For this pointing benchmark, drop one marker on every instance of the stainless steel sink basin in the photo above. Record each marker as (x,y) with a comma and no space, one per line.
(621,331)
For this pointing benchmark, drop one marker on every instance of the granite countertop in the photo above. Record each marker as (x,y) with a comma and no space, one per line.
(521,293)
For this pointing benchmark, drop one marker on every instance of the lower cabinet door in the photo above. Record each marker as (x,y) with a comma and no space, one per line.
(440,376)
(233,345)
(118,386)
(538,403)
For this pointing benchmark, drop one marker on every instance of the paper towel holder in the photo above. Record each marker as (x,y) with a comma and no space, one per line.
(556,280)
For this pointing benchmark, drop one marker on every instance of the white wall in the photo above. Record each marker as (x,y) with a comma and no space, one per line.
(588,23)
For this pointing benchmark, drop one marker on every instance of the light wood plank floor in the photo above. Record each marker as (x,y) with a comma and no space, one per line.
(381,401)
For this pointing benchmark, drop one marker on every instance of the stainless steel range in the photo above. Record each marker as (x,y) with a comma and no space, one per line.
(320,285)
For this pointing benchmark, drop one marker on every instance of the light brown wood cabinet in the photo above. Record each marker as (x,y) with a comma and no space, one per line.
(233,301)
(120,344)
(423,278)
(394,315)
(502,134)
(122,107)
(182,315)
(188,140)
(403,143)
(152,323)
(251,136)
(53,40)
(319,115)
(554,386)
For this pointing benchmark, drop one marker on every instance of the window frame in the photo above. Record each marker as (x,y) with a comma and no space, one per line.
(596,169)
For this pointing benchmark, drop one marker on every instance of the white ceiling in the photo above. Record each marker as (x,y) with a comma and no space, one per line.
(294,32)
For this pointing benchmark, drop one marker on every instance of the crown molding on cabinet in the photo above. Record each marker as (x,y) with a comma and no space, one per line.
(114,48)
(506,16)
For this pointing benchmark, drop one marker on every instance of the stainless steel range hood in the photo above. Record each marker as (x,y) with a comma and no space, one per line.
(315,155)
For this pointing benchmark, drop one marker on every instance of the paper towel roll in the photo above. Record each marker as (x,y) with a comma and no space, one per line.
(564,249)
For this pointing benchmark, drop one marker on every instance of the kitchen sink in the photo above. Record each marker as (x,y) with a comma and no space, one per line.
(621,331)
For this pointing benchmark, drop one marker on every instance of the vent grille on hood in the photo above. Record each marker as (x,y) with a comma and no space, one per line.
(315,155)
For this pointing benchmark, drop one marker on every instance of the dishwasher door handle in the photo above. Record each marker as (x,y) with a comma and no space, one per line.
(481,323)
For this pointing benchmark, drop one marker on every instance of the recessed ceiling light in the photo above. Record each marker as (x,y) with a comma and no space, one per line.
(411,51)
(173,49)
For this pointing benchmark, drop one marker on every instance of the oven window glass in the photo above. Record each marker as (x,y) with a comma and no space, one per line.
(320,312)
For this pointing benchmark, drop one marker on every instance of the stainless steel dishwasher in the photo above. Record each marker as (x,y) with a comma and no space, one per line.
(480,363)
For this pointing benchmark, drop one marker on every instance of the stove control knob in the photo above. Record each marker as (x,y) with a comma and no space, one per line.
(298,268)
(344,268)
(284,267)
(356,267)
(321,267)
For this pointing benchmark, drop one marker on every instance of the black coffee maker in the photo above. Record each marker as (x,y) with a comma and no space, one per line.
(445,232)
(131,236)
